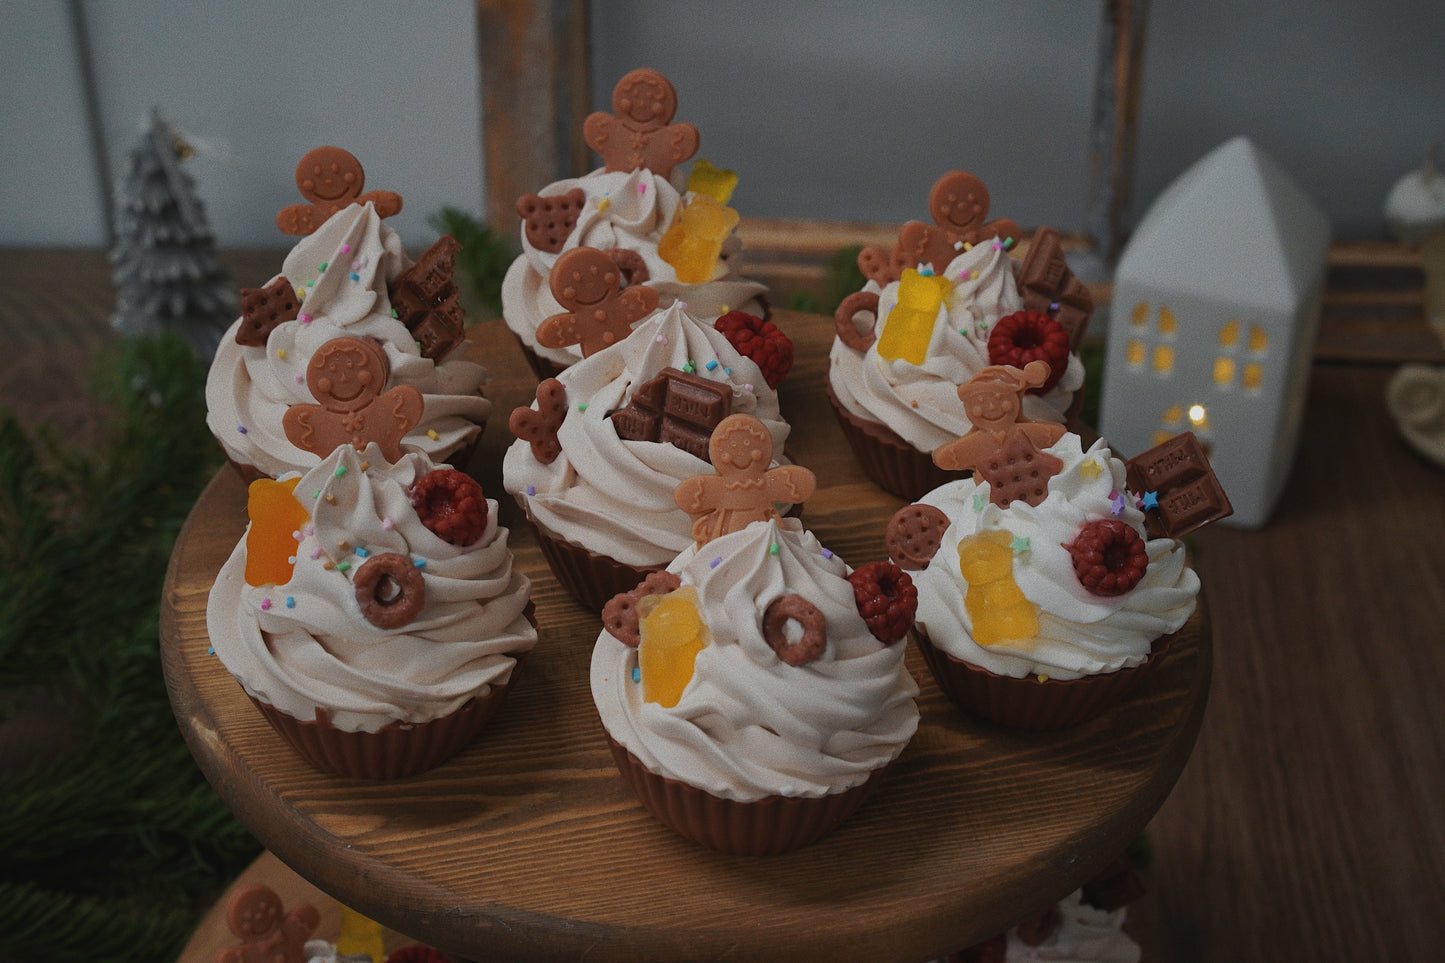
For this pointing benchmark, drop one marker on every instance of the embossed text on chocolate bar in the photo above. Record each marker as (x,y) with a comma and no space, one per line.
(675,407)
(1188,493)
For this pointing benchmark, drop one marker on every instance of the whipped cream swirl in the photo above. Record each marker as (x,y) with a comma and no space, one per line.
(344,268)
(615,497)
(1080,633)
(748,725)
(630,211)
(920,402)
(305,645)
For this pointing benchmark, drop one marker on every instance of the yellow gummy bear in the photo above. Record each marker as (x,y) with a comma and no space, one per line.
(672,635)
(716,182)
(909,327)
(995,603)
(271,541)
(693,241)
(360,936)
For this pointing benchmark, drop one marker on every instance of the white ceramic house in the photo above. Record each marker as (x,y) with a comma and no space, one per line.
(1215,310)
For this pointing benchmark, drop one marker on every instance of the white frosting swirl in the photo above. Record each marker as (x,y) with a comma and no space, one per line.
(1085,934)
(628,210)
(1080,633)
(305,644)
(615,497)
(920,402)
(344,267)
(748,725)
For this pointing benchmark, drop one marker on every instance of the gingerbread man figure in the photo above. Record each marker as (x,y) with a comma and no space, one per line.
(958,204)
(331,179)
(346,375)
(588,283)
(639,134)
(744,489)
(538,426)
(255,915)
(993,401)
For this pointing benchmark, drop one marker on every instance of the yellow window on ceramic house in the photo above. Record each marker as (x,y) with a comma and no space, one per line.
(1138,351)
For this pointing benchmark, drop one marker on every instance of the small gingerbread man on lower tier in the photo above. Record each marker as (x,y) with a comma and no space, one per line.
(745,489)
(588,283)
(255,915)
(346,375)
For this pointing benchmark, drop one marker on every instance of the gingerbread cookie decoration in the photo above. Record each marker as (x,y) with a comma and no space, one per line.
(538,426)
(599,312)
(268,934)
(265,309)
(548,221)
(346,375)
(639,134)
(744,489)
(1003,447)
(331,179)
(958,204)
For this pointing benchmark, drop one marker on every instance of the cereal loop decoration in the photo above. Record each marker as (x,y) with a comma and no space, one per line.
(331,179)
(802,645)
(390,590)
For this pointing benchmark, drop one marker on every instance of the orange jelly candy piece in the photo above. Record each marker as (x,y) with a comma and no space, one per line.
(271,541)
(694,239)
(672,635)
(909,327)
(994,601)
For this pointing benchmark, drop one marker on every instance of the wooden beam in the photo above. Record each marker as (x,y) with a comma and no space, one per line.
(536,91)
(1113,132)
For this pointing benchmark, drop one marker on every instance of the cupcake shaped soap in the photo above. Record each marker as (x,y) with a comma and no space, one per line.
(679,241)
(754,691)
(347,276)
(605,444)
(372,611)
(948,301)
(1044,593)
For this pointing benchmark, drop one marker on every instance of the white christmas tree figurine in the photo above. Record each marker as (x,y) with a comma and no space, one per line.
(167,277)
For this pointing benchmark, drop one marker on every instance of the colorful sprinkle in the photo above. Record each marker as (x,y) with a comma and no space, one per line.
(432,434)
(265,605)
(1053,305)
(323,266)
(1020,544)
(365,465)
(531,490)
(281,353)
(316,553)
(967,245)
(344,545)
(1149,501)
(662,339)
(346,249)
(604,203)
(1116,504)
(297,535)
(210,650)
(355,276)
(344,567)
(361,552)
(329,498)
(827,553)
(241,429)
(290,601)
(1008,242)
(979,501)
(1091,469)
(387,524)
(689,367)
(712,365)
(773,549)
(340,470)
(642,188)
(582,406)
(636,674)
(304,318)
(301,379)
(715,562)
(420,563)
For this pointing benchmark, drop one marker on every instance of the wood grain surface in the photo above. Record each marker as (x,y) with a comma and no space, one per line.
(529,846)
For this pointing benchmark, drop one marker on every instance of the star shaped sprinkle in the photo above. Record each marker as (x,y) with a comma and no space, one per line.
(1020,544)
(1091,469)
(1149,501)
(1116,504)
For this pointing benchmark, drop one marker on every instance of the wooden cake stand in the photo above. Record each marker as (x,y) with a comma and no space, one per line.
(529,846)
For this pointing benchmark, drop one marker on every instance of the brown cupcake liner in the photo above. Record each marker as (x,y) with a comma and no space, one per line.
(1028,703)
(589,578)
(892,463)
(396,750)
(766,827)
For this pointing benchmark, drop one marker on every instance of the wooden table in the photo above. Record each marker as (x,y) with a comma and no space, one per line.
(529,846)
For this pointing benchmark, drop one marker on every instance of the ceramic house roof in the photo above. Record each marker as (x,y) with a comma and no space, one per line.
(1234,228)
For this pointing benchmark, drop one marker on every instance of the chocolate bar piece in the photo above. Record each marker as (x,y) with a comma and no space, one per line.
(675,407)
(425,299)
(262,309)
(1049,286)
(1180,476)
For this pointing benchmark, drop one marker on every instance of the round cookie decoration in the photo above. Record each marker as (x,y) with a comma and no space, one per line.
(331,179)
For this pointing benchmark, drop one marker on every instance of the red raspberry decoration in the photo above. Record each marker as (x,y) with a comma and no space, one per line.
(886,598)
(761,341)
(1026,336)
(451,504)
(1109,557)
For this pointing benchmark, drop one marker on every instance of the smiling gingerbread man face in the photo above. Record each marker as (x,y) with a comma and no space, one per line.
(346,374)
(646,98)
(331,179)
